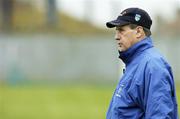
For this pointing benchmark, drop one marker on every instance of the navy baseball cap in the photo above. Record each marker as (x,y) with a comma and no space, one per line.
(132,16)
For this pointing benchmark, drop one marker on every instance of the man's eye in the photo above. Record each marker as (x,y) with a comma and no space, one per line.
(120,30)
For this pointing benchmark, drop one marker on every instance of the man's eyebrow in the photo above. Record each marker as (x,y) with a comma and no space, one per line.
(119,28)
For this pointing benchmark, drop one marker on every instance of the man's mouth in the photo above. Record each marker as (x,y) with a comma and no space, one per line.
(119,44)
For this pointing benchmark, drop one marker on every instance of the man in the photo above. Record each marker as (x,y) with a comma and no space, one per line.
(147,89)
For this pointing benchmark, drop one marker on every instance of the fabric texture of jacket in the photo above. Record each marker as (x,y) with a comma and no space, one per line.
(146,89)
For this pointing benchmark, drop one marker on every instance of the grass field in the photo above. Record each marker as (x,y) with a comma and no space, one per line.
(58,102)
(63,102)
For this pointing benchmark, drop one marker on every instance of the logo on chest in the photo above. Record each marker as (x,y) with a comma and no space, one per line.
(119,90)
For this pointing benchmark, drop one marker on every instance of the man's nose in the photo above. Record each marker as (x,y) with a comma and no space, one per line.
(117,36)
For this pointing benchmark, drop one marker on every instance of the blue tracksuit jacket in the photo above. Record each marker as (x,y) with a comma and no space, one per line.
(146,90)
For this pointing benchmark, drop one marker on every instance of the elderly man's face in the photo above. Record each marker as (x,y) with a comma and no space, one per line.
(125,37)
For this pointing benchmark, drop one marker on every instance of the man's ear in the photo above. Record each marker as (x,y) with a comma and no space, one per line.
(139,31)
(135,32)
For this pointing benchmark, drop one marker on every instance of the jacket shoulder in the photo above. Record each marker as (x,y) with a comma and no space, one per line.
(155,59)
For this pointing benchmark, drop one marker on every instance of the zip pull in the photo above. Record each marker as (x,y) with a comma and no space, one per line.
(124,70)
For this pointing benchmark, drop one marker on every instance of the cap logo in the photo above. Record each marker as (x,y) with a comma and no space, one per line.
(137,17)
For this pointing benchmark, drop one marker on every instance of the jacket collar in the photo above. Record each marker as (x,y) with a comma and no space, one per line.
(128,55)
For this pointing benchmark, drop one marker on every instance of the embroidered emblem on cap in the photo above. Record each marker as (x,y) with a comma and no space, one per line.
(137,17)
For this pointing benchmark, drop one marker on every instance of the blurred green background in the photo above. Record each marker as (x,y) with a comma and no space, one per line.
(58,60)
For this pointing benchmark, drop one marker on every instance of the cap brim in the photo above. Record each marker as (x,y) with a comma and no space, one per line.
(115,23)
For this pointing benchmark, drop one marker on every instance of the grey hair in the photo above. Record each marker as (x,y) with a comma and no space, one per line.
(146,31)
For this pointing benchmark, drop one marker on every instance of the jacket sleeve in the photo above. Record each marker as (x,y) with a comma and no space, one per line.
(158,92)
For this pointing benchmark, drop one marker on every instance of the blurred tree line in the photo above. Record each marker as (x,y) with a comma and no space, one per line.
(23,16)
(7,13)
(168,28)
(9,6)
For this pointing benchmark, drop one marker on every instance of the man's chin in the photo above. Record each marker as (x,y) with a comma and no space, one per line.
(120,49)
